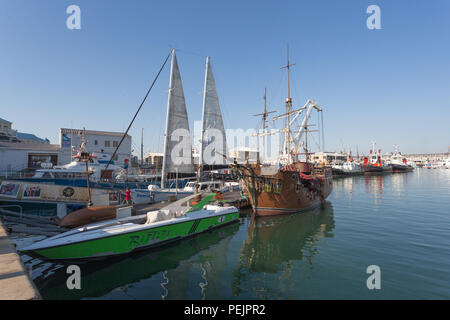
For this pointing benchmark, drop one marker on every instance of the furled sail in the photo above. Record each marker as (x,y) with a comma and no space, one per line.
(177,143)
(214,143)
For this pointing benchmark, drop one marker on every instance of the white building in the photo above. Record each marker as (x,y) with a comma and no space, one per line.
(17,156)
(328,157)
(96,141)
(243,154)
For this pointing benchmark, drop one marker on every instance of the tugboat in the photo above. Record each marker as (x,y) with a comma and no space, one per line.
(350,167)
(373,163)
(398,163)
(293,185)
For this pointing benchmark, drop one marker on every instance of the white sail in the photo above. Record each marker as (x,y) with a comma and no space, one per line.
(214,143)
(177,143)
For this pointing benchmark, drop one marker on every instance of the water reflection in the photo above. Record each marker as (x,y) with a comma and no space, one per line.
(374,185)
(399,183)
(173,262)
(274,244)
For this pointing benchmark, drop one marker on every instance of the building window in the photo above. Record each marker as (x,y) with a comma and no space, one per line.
(115,144)
(107,143)
(35,161)
(96,142)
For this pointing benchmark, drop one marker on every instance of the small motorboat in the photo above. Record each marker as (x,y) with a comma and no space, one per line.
(180,219)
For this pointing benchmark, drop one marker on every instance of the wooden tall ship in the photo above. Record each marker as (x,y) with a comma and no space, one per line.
(292,185)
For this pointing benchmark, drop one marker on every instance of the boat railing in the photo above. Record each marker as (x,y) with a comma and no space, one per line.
(15,206)
(13,174)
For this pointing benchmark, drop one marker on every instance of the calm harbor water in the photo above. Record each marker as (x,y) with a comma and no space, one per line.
(399,222)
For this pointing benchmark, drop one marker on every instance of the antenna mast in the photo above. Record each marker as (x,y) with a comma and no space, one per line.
(142,147)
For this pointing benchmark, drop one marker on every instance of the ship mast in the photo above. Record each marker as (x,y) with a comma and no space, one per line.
(288,103)
(264,125)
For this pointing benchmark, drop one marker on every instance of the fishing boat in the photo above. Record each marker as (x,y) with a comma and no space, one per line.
(293,185)
(373,163)
(181,219)
(398,162)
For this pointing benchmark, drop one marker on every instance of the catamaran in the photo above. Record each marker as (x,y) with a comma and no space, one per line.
(177,118)
(174,222)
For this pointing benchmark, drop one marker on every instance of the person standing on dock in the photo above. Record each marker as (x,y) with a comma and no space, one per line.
(128,196)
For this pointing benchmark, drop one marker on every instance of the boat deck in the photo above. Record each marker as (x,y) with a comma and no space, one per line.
(234,197)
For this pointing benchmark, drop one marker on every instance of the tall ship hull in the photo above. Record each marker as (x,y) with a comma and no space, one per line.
(290,189)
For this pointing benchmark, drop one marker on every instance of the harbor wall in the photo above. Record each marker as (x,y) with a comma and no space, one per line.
(15,283)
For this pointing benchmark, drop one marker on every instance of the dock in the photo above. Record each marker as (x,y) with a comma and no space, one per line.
(15,283)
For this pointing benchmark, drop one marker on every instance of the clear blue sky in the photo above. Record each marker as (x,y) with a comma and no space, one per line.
(391,85)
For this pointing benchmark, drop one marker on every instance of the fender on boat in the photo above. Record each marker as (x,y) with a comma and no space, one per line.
(88,215)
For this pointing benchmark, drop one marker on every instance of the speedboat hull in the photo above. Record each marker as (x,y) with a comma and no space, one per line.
(112,239)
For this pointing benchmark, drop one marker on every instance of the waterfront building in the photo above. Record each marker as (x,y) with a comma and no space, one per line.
(243,154)
(96,142)
(154,160)
(21,151)
(329,157)
(8,134)
(18,156)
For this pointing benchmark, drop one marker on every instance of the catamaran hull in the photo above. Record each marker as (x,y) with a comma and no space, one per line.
(126,243)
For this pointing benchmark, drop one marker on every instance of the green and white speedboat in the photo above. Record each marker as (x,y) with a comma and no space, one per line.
(121,236)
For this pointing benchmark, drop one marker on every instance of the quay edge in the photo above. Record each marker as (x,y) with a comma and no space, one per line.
(15,283)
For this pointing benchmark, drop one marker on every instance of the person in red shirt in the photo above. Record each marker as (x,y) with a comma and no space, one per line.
(128,196)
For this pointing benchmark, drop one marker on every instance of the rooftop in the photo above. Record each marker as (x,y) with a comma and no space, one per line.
(101,133)
(3,120)
(29,146)
(30,136)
